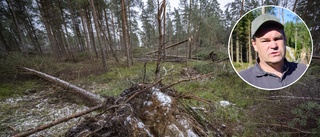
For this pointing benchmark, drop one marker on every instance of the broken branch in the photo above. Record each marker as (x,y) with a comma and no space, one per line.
(43,127)
(175,44)
(93,98)
(293,97)
(184,80)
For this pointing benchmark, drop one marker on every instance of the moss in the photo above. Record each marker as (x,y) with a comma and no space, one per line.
(17,88)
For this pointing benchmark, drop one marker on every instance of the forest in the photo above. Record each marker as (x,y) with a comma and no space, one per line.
(149,68)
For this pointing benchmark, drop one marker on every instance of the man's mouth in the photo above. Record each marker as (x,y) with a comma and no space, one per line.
(275,53)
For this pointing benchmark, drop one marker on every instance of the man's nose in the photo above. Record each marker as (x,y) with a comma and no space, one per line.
(273,44)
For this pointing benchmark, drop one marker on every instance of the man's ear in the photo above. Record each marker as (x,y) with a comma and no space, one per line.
(254,44)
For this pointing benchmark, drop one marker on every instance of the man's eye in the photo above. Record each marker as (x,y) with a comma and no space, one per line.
(279,38)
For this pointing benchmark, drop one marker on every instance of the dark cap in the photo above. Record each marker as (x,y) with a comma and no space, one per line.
(261,20)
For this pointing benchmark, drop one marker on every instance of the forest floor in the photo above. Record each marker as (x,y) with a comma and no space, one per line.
(234,108)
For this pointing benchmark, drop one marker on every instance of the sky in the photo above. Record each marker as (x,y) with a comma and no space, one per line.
(175,3)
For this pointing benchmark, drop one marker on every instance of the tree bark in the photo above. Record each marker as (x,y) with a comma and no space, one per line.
(96,23)
(108,37)
(161,45)
(164,29)
(231,49)
(125,33)
(75,27)
(170,46)
(294,5)
(32,30)
(90,32)
(6,47)
(65,38)
(21,39)
(237,49)
(249,45)
(87,95)
(44,13)
(85,30)
(241,10)
(188,31)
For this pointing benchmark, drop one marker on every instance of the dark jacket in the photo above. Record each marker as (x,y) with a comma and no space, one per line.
(257,77)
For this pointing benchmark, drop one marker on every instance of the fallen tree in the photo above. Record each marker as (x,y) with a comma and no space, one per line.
(170,46)
(43,127)
(88,96)
(142,110)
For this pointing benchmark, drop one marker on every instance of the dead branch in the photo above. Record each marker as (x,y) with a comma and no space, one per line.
(93,98)
(293,97)
(170,46)
(184,80)
(191,96)
(43,127)
(144,72)
(169,56)
(315,57)
(143,90)
(284,126)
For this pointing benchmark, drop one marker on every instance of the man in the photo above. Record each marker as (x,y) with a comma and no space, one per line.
(272,70)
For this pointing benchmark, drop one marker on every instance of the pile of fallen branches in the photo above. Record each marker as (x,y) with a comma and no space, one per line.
(141,110)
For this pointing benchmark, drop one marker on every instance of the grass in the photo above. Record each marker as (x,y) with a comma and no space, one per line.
(17,88)
(241,66)
(250,105)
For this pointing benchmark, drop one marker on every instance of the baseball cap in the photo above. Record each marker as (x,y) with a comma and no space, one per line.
(263,19)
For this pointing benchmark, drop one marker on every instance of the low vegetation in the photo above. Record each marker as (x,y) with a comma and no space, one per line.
(248,112)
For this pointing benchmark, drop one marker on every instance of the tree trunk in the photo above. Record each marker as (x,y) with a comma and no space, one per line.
(87,95)
(164,30)
(294,5)
(85,30)
(188,31)
(160,46)
(108,37)
(237,49)
(129,32)
(6,47)
(90,32)
(241,9)
(249,44)
(21,39)
(32,31)
(125,33)
(43,12)
(96,23)
(113,29)
(231,49)
(65,37)
(170,46)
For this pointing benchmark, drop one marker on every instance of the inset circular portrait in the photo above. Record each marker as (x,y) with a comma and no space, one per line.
(270,47)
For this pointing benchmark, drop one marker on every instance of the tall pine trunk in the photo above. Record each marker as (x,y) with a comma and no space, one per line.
(85,30)
(96,24)
(20,37)
(125,33)
(90,32)
(109,38)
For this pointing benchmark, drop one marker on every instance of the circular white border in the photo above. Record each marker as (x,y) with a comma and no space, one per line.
(230,36)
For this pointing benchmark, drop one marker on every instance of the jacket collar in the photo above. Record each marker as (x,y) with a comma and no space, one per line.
(259,72)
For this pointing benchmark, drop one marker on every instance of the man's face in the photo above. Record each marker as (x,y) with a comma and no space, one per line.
(270,44)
